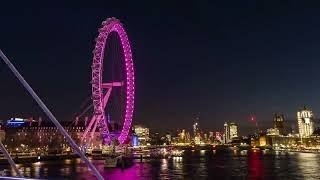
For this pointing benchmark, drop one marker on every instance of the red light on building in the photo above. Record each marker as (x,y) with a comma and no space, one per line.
(253,118)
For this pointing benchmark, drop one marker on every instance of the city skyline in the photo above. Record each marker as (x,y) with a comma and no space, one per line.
(160,90)
(260,75)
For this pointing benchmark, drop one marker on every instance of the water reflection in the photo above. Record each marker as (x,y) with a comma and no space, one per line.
(308,165)
(226,165)
(65,171)
(67,161)
(164,164)
(255,165)
(164,169)
(244,152)
(36,169)
(177,159)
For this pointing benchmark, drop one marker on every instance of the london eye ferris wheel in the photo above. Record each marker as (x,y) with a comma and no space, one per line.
(112,84)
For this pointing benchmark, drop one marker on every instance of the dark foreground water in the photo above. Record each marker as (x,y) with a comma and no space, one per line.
(193,165)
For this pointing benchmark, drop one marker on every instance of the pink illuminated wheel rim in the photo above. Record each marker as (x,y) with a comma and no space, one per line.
(108,26)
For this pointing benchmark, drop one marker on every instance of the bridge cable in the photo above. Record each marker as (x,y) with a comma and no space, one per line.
(51,116)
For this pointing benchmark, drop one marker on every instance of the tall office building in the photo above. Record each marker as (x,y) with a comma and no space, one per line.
(195,126)
(278,123)
(226,133)
(233,131)
(230,132)
(305,122)
(195,129)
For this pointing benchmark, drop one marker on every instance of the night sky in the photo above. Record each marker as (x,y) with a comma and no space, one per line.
(224,59)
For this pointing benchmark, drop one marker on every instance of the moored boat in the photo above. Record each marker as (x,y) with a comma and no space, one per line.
(112,161)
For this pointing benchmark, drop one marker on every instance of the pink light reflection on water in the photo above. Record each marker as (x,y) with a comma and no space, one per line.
(255,165)
(137,171)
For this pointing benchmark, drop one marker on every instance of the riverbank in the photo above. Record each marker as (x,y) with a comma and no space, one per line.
(32,159)
(157,153)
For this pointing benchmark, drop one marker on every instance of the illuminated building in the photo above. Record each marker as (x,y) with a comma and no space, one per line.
(305,122)
(188,137)
(273,132)
(218,136)
(262,141)
(211,135)
(168,137)
(195,129)
(233,131)
(42,136)
(205,137)
(182,136)
(143,134)
(16,122)
(135,141)
(230,132)
(197,140)
(278,123)
(226,133)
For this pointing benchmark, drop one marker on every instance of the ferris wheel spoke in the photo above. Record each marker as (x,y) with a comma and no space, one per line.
(106,98)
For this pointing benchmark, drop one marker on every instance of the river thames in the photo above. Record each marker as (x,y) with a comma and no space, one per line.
(193,165)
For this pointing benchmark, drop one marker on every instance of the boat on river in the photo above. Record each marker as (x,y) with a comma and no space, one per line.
(118,157)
